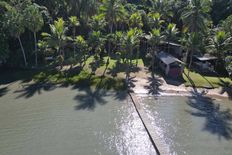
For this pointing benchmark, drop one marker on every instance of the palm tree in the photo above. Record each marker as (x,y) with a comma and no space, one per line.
(195,17)
(97,23)
(193,45)
(135,20)
(82,47)
(74,23)
(97,42)
(219,44)
(113,11)
(131,41)
(163,7)
(196,14)
(155,20)
(171,33)
(58,36)
(154,39)
(34,22)
(16,27)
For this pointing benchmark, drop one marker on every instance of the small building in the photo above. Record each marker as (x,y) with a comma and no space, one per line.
(204,63)
(170,65)
(174,49)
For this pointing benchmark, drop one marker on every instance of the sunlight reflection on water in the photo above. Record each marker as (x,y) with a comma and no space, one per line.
(130,137)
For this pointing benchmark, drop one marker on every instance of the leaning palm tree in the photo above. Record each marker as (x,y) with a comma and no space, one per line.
(73,21)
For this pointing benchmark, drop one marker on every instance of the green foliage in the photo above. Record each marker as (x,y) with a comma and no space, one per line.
(34,18)
(195,16)
(58,36)
(228,61)
(227,25)
(74,21)
(136,20)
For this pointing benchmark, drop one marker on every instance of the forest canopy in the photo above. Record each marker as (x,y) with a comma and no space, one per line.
(69,31)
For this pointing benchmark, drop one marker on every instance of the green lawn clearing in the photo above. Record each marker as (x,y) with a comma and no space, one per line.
(205,81)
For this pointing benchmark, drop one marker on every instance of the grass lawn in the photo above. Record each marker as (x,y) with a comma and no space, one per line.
(85,78)
(205,81)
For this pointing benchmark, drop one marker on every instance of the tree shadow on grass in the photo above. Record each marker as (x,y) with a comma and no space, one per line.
(226,87)
(217,120)
(117,68)
(3,91)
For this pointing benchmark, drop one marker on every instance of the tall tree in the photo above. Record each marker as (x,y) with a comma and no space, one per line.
(131,41)
(113,11)
(74,23)
(34,22)
(82,47)
(154,38)
(196,15)
(58,36)
(171,33)
(16,27)
(219,44)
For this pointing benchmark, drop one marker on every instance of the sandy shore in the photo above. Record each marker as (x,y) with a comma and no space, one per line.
(144,85)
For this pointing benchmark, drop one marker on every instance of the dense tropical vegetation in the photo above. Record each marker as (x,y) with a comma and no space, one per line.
(38,33)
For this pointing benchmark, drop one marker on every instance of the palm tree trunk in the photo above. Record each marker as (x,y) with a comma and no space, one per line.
(23,52)
(36,54)
(109,44)
(74,46)
(190,63)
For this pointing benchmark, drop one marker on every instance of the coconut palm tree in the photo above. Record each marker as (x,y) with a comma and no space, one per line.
(163,7)
(219,44)
(131,41)
(57,38)
(154,38)
(171,33)
(135,20)
(155,20)
(34,22)
(73,21)
(82,47)
(196,15)
(113,11)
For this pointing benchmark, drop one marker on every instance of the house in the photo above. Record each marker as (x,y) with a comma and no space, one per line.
(170,65)
(174,49)
(204,63)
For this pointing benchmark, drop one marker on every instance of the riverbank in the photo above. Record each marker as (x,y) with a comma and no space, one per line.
(144,84)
